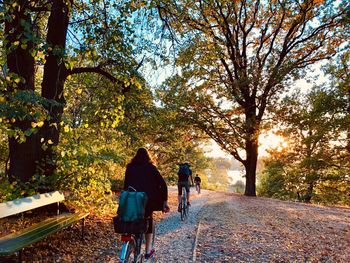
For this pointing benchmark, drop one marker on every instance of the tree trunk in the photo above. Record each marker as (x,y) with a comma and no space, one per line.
(22,156)
(27,156)
(250,167)
(348,128)
(251,147)
(53,81)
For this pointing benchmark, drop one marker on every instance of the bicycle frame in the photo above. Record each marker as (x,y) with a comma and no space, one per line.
(132,247)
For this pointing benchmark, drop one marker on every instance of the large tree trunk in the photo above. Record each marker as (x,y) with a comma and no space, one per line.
(26,156)
(22,156)
(53,81)
(250,167)
(251,147)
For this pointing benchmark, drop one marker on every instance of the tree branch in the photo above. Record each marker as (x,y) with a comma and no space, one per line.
(101,72)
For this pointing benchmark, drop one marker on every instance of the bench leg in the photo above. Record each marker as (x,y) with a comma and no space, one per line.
(82,228)
(20,255)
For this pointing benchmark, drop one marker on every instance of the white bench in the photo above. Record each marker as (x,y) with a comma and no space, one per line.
(17,241)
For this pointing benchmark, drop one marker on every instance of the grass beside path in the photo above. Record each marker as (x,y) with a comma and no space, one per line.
(236,228)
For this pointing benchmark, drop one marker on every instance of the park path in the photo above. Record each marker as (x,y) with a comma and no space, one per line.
(226,227)
(175,239)
(222,227)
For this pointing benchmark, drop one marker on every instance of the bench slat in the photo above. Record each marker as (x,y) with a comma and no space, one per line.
(28,203)
(16,241)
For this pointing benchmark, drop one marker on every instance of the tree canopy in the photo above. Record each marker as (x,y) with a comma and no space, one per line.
(235,57)
(77,99)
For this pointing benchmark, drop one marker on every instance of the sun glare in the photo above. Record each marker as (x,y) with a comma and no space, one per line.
(267,141)
(271,141)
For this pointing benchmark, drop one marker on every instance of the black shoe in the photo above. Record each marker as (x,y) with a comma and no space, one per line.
(179,208)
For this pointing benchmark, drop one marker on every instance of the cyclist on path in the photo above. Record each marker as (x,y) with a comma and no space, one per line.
(143,175)
(184,174)
(197,181)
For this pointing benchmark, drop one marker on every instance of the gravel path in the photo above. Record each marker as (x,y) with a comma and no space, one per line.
(221,227)
(175,239)
(235,228)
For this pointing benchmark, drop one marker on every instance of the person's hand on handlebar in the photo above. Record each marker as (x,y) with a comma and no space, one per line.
(166,208)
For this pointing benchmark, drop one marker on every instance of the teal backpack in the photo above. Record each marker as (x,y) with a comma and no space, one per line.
(132,205)
(131,212)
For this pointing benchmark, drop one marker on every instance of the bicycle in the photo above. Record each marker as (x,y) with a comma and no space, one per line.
(198,188)
(132,248)
(184,206)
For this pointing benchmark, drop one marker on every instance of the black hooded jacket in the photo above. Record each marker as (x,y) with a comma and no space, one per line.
(145,177)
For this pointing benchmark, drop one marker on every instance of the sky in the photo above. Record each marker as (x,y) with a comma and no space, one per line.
(213,150)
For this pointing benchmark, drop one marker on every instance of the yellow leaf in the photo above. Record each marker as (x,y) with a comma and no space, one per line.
(40,124)
(33,124)
(78,91)
(49,141)
(66,128)
(86,125)
(54,124)
(40,55)
(2,99)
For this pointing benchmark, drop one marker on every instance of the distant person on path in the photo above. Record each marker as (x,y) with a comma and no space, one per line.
(184,174)
(143,175)
(197,181)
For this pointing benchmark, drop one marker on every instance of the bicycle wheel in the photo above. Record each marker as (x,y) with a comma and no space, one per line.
(139,238)
(186,209)
(128,254)
(184,205)
(182,213)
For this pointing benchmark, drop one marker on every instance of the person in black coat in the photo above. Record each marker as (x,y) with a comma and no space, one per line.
(142,175)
